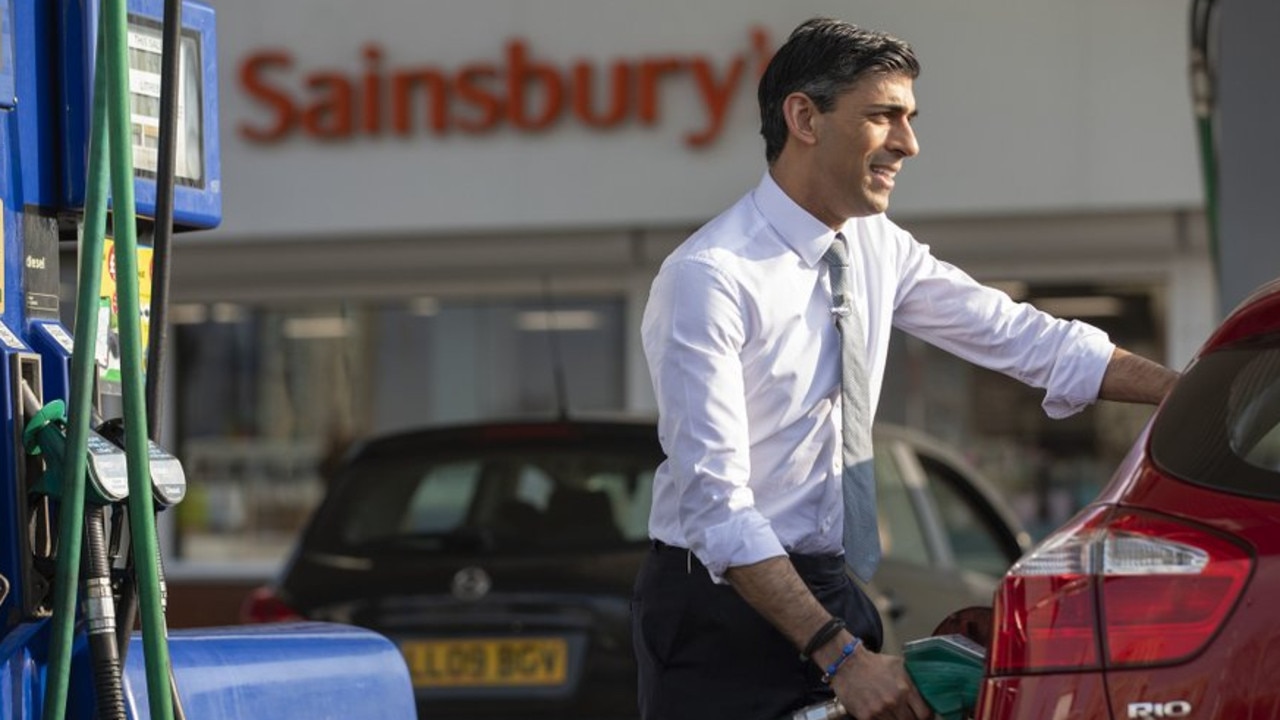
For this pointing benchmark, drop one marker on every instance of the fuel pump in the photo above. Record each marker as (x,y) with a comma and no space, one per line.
(60,197)
(123,95)
(30,230)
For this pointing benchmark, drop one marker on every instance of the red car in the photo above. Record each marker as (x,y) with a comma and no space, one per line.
(1156,601)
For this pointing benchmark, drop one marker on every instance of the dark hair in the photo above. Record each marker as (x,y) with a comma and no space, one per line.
(823,58)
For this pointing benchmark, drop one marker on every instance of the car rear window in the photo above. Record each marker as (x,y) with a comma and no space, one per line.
(506,501)
(1221,425)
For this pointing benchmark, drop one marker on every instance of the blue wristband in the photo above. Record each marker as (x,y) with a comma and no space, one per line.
(846,652)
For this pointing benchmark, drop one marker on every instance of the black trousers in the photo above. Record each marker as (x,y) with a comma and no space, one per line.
(704,653)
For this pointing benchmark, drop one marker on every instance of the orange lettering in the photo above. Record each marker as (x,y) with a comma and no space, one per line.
(470,88)
(764,50)
(715,99)
(619,100)
(372,120)
(250,78)
(403,84)
(520,72)
(330,117)
(651,71)
(528,94)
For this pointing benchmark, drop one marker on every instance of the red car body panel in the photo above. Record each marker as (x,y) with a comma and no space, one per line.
(1045,697)
(1236,676)
(1258,314)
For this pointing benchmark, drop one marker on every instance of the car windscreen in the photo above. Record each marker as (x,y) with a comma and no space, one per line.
(514,501)
(1221,425)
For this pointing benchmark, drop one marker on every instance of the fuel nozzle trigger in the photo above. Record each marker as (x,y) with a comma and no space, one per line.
(46,435)
(168,479)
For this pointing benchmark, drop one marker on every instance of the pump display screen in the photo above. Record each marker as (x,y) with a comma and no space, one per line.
(197,167)
(145,43)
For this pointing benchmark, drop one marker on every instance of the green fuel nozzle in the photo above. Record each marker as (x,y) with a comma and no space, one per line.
(45,435)
(947,670)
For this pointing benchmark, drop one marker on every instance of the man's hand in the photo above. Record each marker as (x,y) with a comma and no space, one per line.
(873,686)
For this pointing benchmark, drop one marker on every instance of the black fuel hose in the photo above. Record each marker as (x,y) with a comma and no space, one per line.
(100,617)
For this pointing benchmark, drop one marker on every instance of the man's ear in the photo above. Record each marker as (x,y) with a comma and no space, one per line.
(802,117)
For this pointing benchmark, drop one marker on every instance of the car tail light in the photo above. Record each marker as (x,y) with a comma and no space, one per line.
(1116,588)
(264,606)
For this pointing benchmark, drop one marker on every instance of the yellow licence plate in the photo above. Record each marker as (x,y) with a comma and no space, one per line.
(477,662)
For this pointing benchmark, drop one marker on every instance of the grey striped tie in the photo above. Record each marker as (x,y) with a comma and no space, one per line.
(861,537)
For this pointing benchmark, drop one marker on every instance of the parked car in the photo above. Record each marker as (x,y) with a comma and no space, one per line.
(1155,601)
(501,557)
(946,534)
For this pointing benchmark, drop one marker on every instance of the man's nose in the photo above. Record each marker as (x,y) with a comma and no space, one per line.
(903,140)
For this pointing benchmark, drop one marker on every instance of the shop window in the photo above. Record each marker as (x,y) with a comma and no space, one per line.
(1046,468)
(268,397)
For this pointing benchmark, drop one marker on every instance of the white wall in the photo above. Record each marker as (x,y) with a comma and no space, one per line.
(1034,105)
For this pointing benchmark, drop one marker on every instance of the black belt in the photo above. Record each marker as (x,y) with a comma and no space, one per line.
(806,565)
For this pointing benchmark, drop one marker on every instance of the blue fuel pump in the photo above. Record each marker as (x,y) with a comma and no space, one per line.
(54,478)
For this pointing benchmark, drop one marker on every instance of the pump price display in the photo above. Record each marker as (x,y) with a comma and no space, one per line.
(145,53)
(487,662)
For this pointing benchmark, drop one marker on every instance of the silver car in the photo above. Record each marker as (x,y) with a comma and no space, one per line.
(947,536)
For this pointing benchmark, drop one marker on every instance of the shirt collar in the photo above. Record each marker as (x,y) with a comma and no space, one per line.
(802,232)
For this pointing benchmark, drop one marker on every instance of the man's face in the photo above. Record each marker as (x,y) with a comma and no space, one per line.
(862,142)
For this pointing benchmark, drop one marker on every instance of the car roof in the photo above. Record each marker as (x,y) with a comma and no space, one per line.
(517,431)
(1259,313)
(626,428)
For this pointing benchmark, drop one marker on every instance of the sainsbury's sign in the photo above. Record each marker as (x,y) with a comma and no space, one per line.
(521,91)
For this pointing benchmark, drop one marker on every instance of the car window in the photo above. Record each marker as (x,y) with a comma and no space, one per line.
(901,537)
(975,543)
(506,501)
(1253,411)
(1220,427)
(440,502)
(630,497)
(1265,453)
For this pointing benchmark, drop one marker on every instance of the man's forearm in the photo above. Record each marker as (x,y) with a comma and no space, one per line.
(775,590)
(1132,378)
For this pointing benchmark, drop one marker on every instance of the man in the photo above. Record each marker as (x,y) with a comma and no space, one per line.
(743,608)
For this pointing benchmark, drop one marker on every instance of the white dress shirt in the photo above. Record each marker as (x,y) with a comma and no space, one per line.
(743,353)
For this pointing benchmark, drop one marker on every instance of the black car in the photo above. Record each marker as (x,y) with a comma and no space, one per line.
(501,558)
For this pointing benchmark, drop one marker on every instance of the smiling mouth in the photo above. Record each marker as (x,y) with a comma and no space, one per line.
(884,173)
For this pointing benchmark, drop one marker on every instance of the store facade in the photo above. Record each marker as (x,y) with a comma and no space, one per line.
(429,208)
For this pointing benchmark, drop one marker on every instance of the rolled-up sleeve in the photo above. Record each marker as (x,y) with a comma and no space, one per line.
(693,334)
(944,306)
